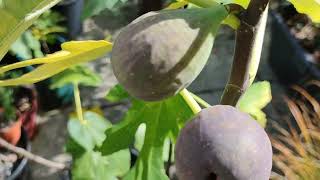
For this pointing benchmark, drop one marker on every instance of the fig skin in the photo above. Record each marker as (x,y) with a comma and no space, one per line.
(224,143)
(160,53)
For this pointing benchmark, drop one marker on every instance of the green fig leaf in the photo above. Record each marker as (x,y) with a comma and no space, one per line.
(73,148)
(81,75)
(162,120)
(16,17)
(139,140)
(255,99)
(116,94)
(89,134)
(92,165)
(139,137)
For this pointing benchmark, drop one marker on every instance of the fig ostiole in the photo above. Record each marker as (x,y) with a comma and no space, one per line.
(223,143)
(160,53)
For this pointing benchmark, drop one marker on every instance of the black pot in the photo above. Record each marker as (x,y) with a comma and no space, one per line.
(21,170)
(290,62)
(72,10)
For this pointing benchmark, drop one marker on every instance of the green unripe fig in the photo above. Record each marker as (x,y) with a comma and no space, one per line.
(160,53)
(223,143)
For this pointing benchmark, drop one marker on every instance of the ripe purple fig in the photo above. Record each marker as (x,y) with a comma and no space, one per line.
(223,143)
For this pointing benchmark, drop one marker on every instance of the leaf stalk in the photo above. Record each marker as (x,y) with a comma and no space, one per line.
(194,106)
(77,101)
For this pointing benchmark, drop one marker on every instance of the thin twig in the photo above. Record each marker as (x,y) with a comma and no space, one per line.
(30,156)
(245,51)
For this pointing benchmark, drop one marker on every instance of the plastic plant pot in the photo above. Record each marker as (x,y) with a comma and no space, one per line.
(290,62)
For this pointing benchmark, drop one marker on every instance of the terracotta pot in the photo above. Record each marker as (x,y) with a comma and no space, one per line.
(12,133)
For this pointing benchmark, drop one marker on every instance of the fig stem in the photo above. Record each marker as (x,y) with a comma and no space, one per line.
(200,101)
(77,101)
(247,54)
(232,21)
(194,106)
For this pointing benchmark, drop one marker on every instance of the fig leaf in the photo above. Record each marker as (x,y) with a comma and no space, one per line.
(163,119)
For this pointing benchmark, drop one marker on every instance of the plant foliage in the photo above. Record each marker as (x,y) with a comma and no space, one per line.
(162,119)
(90,164)
(16,17)
(72,53)
(100,149)
(255,99)
(94,7)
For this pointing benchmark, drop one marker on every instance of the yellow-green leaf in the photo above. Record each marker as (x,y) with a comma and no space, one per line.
(177,5)
(16,17)
(72,53)
(243,3)
(232,21)
(207,3)
(309,7)
(255,99)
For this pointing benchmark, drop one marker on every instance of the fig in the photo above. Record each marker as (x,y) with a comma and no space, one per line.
(160,53)
(223,143)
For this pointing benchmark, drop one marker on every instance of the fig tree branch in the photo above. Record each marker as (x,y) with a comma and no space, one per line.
(30,156)
(247,51)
